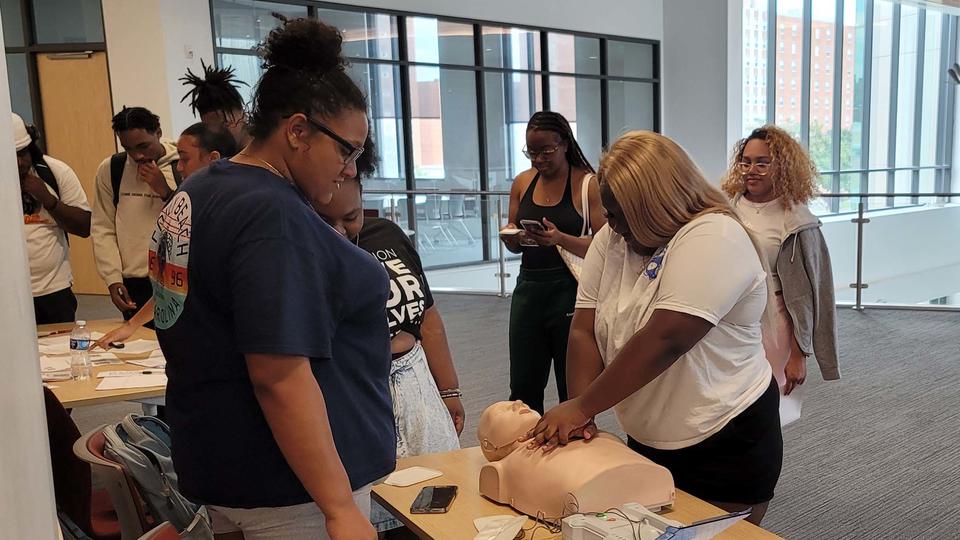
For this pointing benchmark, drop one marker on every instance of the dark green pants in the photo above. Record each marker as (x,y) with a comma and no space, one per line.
(540,316)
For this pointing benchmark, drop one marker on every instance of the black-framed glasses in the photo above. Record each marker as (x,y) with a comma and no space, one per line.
(760,169)
(352,152)
(534,154)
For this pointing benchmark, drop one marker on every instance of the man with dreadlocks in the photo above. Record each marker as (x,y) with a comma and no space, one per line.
(215,99)
(551,193)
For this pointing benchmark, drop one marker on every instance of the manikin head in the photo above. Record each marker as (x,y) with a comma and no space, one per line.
(501,427)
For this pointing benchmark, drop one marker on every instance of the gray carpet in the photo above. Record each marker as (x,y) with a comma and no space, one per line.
(874,456)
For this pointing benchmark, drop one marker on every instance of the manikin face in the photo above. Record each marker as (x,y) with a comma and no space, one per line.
(501,427)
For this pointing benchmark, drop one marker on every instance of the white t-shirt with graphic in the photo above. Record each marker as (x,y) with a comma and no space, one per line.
(46,242)
(710,270)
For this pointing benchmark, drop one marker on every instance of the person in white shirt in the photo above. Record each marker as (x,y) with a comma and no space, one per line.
(770,181)
(667,331)
(54,205)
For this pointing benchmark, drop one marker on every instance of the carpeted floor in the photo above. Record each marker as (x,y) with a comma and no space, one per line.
(875,455)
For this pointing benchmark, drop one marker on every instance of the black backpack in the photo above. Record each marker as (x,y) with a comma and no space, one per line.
(117,163)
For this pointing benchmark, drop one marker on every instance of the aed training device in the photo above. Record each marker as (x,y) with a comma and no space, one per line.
(632,521)
(434,500)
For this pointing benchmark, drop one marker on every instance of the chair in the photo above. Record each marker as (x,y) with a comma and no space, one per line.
(90,510)
(164,531)
(129,507)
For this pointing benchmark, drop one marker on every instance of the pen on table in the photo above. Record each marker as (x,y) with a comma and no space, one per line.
(53,333)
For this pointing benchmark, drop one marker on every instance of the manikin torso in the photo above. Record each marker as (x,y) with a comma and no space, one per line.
(583,476)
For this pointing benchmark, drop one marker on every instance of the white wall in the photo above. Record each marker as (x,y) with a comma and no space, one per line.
(149,45)
(628,18)
(26,483)
(696,65)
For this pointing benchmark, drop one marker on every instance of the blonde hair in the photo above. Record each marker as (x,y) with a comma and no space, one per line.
(658,186)
(793,173)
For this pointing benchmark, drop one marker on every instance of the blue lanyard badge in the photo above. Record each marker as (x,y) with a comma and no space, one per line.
(656,262)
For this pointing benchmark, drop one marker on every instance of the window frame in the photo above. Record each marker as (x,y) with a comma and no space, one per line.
(480,70)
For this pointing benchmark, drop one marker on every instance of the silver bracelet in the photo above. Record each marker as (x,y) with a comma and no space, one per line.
(451,393)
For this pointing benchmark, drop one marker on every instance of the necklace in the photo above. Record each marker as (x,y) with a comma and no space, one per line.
(757,207)
(269,167)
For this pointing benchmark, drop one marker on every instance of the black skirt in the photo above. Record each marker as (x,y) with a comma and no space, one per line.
(738,464)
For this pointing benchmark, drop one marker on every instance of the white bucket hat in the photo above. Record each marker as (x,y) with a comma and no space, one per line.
(21,139)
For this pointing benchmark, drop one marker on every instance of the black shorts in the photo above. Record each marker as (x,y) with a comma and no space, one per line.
(738,464)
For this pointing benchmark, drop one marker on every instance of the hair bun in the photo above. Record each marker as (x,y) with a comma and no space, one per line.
(303,45)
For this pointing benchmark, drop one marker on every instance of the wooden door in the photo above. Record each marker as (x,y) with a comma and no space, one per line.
(77,108)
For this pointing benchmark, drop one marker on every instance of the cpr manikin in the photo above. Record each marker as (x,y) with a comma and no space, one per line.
(583,476)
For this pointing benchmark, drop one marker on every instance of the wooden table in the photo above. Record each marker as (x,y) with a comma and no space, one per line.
(462,468)
(83,393)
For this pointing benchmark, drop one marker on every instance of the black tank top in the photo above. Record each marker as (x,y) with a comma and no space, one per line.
(563,214)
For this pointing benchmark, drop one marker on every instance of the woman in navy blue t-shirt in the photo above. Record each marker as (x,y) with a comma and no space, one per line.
(277,352)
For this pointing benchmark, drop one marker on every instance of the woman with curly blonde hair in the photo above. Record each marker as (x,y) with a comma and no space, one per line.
(771,179)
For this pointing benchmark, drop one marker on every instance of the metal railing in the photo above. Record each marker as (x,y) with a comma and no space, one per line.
(497,216)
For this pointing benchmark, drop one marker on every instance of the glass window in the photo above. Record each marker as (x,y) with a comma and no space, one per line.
(849,183)
(880,88)
(821,113)
(381,84)
(932,84)
(790,12)
(574,54)
(365,35)
(852,85)
(20,100)
(68,21)
(12,23)
(906,90)
(578,100)
(247,69)
(630,59)
(434,41)
(511,99)
(242,24)
(630,106)
(511,48)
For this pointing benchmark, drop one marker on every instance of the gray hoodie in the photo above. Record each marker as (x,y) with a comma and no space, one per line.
(803,266)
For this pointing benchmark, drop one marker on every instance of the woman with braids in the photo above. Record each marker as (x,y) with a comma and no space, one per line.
(278,355)
(550,193)
(771,179)
(216,100)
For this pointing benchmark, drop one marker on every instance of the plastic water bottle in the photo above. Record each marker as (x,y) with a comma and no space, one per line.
(80,352)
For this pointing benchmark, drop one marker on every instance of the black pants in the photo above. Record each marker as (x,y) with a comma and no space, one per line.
(540,315)
(738,464)
(141,291)
(56,307)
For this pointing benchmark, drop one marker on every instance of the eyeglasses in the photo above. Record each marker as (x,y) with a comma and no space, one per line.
(531,154)
(352,152)
(760,169)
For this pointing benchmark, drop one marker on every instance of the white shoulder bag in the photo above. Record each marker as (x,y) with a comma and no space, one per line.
(575,262)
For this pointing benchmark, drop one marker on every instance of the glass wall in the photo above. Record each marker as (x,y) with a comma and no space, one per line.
(449,104)
(862,83)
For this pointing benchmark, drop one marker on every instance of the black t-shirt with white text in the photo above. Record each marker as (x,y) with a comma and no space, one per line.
(409,292)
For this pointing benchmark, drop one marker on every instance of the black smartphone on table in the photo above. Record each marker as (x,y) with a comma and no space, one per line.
(434,500)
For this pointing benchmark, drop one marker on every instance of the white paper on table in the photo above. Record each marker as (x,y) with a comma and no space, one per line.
(138,346)
(498,527)
(104,359)
(152,362)
(791,406)
(104,374)
(60,344)
(133,381)
(410,476)
(51,364)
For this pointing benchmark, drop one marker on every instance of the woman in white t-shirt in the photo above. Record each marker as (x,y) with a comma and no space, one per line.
(770,181)
(667,331)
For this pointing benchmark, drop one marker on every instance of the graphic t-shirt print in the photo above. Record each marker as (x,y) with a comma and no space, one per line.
(169,254)
(406,303)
